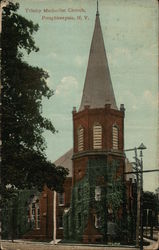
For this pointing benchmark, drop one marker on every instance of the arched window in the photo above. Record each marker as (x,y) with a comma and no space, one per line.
(115,137)
(80,138)
(34,212)
(97,136)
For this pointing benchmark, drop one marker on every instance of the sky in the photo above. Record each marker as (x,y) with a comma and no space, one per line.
(130,30)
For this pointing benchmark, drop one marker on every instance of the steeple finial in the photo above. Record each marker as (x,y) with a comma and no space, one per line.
(97,14)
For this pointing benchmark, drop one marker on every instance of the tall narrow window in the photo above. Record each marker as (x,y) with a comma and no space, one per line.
(97,221)
(38,217)
(60,221)
(80,138)
(79,219)
(115,137)
(34,213)
(98,193)
(97,136)
(61,199)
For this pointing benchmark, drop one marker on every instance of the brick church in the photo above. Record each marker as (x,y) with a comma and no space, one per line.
(97,195)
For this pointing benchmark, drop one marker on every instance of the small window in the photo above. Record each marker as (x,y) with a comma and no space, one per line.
(98,193)
(79,219)
(80,138)
(33,212)
(61,201)
(60,221)
(97,221)
(38,218)
(115,137)
(97,136)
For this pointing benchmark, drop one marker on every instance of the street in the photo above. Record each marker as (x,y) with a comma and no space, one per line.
(21,245)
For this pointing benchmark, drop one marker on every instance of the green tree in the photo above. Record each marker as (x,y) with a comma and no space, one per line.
(24,163)
(150,205)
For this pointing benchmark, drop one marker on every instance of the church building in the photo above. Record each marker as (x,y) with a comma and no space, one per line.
(97,195)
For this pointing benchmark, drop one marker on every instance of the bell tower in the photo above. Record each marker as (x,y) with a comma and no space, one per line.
(98,125)
(98,149)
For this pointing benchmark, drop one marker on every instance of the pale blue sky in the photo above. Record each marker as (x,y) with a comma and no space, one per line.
(130,29)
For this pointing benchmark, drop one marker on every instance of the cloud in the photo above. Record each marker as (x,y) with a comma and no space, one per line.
(136,101)
(119,53)
(66,85)
(53,55)
(49,80)
(150,98)
(134,107)
(80,60)
(62,117)
(129,99)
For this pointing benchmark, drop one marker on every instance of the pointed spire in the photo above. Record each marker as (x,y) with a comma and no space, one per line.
(97,13)
(98,89)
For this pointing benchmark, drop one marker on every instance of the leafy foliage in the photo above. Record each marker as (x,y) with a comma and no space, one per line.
(24,163)
(104,175)
(150,200)
(150,208)
(15,214)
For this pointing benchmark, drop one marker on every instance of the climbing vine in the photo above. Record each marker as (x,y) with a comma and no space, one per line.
(98,174)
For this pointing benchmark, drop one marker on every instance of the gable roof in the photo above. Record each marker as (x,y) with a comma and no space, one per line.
(66,161)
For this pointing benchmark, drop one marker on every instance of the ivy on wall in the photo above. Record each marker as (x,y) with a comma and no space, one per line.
(104,175)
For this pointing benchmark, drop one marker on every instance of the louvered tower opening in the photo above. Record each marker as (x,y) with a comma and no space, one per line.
(80,138)
(115,133)
(97,136)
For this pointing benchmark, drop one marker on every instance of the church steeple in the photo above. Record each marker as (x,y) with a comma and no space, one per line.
(98,144)
(97,13)
(98,89)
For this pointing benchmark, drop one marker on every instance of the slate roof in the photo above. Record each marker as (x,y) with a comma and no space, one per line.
(98,89)
(66,161)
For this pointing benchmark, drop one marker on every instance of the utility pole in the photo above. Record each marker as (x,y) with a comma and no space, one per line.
(139,163)
(136,168)
(141,148)
(54,209)
(138,201)
(3,3)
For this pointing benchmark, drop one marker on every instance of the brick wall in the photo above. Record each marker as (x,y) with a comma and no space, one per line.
(45,231)
(107,118)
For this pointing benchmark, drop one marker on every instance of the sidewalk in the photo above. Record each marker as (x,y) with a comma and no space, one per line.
(154,245)
(23,245)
